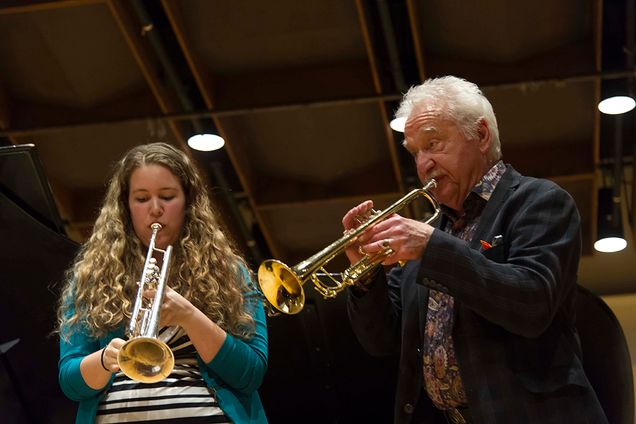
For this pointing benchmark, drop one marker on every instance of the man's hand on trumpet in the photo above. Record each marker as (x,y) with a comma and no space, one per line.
(407,238)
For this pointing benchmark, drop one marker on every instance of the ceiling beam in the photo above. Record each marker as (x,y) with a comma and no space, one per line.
(368,45)
(598,68)
(173,12)
(417,38)
(347,100)
(377,86)
(18,6)
(630,35)
(632,216)
(132,33)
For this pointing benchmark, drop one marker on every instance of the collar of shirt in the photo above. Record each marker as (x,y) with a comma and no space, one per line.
(479,195)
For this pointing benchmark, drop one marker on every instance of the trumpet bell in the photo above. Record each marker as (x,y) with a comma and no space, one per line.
(146,359)
(281,286)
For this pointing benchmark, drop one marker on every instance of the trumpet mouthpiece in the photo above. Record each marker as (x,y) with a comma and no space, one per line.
(431,184)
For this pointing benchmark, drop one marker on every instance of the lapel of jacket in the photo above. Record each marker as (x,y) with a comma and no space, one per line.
(508,183)
(422,300)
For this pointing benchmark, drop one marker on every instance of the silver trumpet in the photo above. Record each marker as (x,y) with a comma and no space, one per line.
(144,357)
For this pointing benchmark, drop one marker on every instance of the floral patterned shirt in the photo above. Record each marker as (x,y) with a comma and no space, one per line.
(442,378)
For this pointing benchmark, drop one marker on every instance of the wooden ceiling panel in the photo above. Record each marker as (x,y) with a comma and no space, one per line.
(500,31)
(508,42)
(526,113)
(551,159)
(74,57)
(289,86)
(313,145)
(82,158)
(266,36)
(270,54)
(31,115)
(573,60)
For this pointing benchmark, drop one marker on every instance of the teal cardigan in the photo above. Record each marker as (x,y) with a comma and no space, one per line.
(234,374)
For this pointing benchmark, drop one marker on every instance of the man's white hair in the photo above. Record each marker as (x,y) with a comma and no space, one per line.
(460,101)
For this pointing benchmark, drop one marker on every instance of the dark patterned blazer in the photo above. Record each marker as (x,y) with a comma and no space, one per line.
(514,329)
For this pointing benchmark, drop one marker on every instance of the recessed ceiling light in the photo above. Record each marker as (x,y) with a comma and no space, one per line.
(610,244)
(206,142)
(617,105)
(398,124)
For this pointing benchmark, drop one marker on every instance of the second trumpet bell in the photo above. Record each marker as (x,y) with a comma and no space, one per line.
(283,285)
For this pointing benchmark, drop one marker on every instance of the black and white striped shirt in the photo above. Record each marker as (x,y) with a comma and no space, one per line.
(182,397)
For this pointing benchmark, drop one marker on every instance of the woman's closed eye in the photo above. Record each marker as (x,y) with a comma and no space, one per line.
(165,198)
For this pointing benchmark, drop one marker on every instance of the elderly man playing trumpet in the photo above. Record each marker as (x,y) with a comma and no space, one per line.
(482,313)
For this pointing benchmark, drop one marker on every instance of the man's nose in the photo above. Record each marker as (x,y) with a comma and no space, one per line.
(425,165)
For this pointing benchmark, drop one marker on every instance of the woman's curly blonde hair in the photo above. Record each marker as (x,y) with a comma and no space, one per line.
(206,269)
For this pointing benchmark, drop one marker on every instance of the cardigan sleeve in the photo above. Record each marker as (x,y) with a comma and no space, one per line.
(72,350)
(242,363)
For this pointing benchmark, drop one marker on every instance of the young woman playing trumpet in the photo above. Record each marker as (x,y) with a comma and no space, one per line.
(211,314)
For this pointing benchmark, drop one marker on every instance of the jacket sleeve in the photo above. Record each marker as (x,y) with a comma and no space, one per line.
(521,283)
(240,363)
(72,351)
(375,315)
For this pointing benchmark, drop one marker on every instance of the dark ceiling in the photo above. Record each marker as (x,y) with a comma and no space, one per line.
(302,92)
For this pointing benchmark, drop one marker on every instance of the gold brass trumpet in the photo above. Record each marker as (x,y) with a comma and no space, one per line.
(144,357)
(282,285)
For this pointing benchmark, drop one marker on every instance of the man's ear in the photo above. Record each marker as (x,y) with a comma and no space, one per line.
(483,134)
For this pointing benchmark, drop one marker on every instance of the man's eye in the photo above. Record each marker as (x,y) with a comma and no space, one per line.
(434,145)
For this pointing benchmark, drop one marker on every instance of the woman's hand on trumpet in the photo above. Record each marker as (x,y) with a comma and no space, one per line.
(97,368)
(109,354)
(175,309)
(407,238)
(206,336)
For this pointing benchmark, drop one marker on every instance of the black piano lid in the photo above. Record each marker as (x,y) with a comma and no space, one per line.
(23,180)
(34,254)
